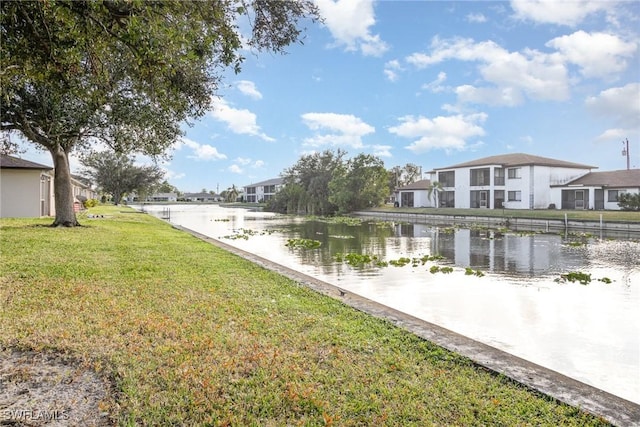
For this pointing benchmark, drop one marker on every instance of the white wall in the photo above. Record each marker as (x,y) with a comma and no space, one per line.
(19,193)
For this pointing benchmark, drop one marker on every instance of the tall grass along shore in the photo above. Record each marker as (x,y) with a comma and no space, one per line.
(190,334)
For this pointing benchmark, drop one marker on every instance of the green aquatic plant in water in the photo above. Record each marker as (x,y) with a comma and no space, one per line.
(303,243)
(471,272)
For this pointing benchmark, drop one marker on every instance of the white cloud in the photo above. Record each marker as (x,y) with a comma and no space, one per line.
(446,133)
(476,18)
(248,88)
(597,54)
(506,96)
(435,86)
(344,129)
(349,22)
(620,103)
(235,169)
(169,174)
(200,151)
(240,121)
(243,161)
(612,135)
(391,69)
(512,74)
(382,150)
(568,13)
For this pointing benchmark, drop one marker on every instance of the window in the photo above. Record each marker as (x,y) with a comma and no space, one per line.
(514,196)
(447,179)
(513,173)
(251,190)
(612,195)
(448,199)
(269,189)
(480,177)
(498,176)
(406,198)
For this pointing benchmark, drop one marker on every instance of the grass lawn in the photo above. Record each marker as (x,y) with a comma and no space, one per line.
(193,335)
(613,216)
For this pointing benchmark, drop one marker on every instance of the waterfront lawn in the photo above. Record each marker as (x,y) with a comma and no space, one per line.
(582,215)
(194,335)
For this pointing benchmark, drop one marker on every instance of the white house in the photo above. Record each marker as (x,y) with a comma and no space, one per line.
(416,195)
(597,190)
(26,188)
(202,197)
(163,197)
(262,191)
(512,181)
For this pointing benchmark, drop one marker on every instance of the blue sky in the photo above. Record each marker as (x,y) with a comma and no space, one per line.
(429,83)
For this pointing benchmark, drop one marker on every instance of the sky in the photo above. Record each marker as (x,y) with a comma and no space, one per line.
(432,83)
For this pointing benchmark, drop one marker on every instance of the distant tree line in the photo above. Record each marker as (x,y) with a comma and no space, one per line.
(327,183)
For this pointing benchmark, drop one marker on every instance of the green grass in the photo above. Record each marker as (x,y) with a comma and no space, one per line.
(582,215)
(194,335)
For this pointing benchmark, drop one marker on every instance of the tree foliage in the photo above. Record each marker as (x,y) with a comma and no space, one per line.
(361,183)
(399,176)
(325,184)
(117,175)
(126,73)
(306,184)
(629,201)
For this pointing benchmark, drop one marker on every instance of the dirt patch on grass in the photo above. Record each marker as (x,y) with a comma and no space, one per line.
(41,389)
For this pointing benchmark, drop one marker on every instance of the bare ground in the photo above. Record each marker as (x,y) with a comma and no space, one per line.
(44,389)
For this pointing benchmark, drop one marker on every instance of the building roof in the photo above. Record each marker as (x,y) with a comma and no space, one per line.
(613,179)
(273,181)
(423,184)
(10,162)
(519,159)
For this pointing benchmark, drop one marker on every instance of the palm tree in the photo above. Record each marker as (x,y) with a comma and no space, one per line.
(232,194)
(433,192)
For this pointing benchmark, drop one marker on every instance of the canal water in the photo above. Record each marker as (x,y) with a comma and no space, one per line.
(512,291)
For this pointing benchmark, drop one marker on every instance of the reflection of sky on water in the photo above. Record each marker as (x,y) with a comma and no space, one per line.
(588,332)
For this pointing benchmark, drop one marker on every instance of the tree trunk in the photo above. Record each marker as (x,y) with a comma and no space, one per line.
(63,190)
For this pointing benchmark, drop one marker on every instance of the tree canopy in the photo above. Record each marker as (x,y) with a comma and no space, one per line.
(127,73)
(117,175)
(325,183)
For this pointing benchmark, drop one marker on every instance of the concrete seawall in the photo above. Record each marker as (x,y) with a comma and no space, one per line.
(630,230)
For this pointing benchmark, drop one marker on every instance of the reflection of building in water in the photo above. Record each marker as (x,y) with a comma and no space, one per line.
(510,253)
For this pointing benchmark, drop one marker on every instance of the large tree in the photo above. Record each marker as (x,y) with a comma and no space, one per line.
(117,175)
(127,73)
(306,184)
(361,183)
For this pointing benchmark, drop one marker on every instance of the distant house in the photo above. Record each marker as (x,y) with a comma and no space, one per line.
(416,195)
(26,188)
(597,190)
(202,197)
(513,181)
(164,197)
(262,191)
(82,189)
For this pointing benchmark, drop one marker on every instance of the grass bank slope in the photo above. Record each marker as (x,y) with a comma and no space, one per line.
(193,335)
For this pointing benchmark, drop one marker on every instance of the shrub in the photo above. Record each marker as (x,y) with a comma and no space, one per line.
(629,202)
(89,203)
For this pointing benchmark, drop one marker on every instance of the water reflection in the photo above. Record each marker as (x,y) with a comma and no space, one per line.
(589,332)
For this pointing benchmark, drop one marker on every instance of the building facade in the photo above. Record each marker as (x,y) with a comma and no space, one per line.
(262,191)
(509,181)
